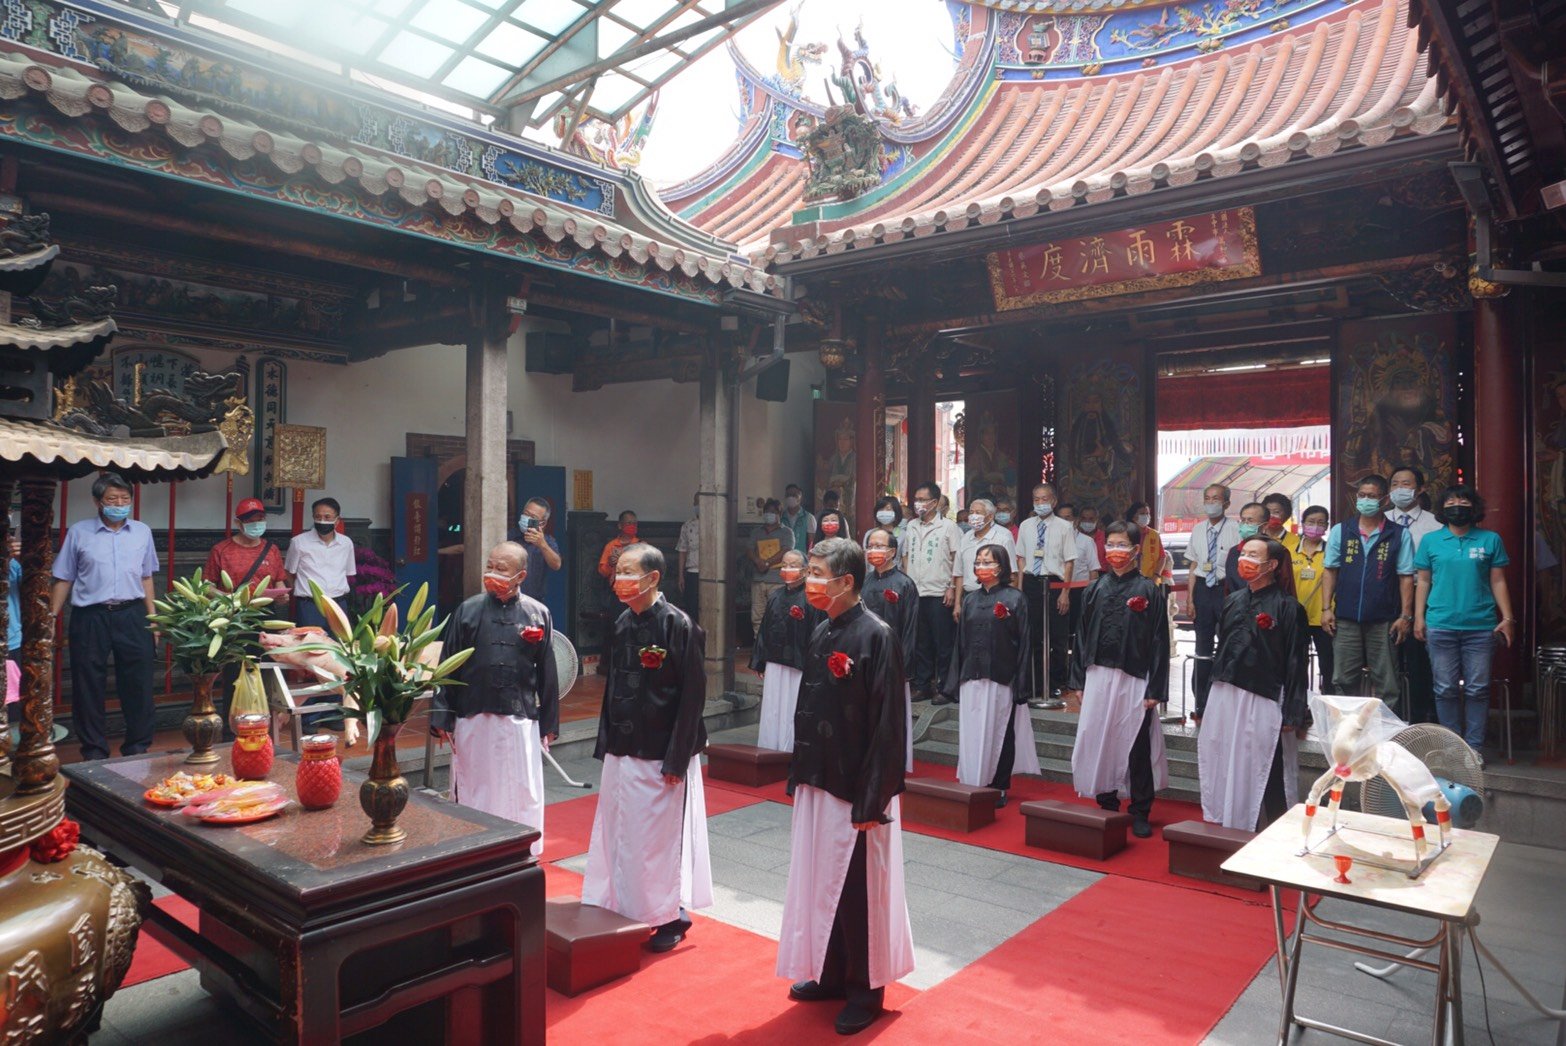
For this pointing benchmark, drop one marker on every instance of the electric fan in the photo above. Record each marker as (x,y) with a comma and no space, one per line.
(1455,766)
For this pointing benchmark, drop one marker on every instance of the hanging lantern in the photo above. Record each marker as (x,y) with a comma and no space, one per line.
(833,353)
(1484,289)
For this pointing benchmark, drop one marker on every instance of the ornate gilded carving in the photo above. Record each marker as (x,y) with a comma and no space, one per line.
(238,427)
(301,457)
(844,155)
(1481,288)
(36,761)
(1434,288)
(93,407)
(89,305)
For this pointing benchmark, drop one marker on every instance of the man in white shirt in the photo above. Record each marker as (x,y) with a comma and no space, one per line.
(689,574)
(930,546)
(1207,556)
(321,555)
(1087,566)
(1047,549)
(1408,510)
(981,531)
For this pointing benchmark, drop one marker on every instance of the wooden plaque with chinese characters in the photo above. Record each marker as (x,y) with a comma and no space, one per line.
(1204,249)
(301,457)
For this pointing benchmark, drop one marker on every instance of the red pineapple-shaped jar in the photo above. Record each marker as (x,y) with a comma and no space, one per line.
(320,776)
(252,752)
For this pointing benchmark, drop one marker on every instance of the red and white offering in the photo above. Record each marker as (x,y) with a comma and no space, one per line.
(243,803)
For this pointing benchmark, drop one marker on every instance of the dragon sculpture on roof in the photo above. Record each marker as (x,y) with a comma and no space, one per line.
(792,60)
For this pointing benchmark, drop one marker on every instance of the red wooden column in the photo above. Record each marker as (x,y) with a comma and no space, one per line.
(869,430)
(921,429)
(1500,459)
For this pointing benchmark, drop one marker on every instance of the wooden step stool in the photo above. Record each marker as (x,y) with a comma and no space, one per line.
(1198,849)
(589,946)
(949,804)
(747,764)
(1086,831)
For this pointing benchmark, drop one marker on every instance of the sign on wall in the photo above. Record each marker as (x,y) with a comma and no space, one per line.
(1098,453)
(990,445)
(581,490)
(1206,248)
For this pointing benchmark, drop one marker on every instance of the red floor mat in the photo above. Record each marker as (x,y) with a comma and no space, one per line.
(1121,962)
(151,959)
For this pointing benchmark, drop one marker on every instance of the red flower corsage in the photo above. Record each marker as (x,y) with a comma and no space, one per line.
(840,664)
(889,596)
(652,656)
(532,634)
(1001,613)
(1137,603)
(796,612)
(1264,622)
(57,843)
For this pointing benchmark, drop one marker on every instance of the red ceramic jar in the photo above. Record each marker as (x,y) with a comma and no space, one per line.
(320,776)
(252,751)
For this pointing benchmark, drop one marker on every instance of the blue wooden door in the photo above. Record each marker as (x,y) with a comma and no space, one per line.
(549,482)
(414,536)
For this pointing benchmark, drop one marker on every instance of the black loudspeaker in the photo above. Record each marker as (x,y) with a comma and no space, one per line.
(550,353)
(772,383)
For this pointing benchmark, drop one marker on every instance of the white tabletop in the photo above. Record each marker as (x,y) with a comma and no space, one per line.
(1445,891)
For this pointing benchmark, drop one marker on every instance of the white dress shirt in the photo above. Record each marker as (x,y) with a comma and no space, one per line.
(311,559)
(1046,545)
(1087,559)
(690,544)
(1417,520)
(971,543)
(929,550)
(1228,534)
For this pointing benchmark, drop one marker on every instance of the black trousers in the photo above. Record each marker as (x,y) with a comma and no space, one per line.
(1073,618)
(1042,614)
(933,645)
(1139,771)
(1414,660)
(847,965)
(96,632)
(1008,754)
(1274,801)
(692,595)
(1207,611)
(1324,664)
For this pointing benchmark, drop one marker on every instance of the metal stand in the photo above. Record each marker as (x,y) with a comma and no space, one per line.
(1413,870)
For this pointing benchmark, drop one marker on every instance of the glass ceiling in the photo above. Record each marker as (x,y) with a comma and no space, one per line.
(532,58)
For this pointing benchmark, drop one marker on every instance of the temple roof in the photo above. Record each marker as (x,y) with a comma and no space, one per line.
(64,452)
(70,349)
(1350,78)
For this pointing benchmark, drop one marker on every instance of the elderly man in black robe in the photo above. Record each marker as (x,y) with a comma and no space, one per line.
(779,653)
(506,711)
(1120,663)
(845,931)
(647,858)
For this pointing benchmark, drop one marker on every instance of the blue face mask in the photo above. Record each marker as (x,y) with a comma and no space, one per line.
(885,517)
(254,530)
(524,522)
(1249,530)
(1368,506)
(116,513)
(770,518)
(1003,518)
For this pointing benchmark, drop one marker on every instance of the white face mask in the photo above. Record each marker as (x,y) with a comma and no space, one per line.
(885,516)
(1087,526)
(1404,497)
(1043,508)
(976,520)
(921,507)
(1143,519)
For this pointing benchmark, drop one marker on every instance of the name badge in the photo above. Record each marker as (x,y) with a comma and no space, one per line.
(1207,566)
(1307,574)
(1038,553)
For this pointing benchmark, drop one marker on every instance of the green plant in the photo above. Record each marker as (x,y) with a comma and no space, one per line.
(208,627)
(387,666)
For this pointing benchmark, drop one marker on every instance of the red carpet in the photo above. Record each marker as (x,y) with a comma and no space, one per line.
(1121,962)
(152,960)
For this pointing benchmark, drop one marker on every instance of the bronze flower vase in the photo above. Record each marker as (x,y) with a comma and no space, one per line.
(203,726)
(384,793)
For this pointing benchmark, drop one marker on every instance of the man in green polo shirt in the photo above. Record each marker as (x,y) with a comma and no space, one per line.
(1460,592)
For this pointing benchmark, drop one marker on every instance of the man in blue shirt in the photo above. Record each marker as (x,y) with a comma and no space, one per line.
(13,601)
(1367,593)
(105,568)
(543,551)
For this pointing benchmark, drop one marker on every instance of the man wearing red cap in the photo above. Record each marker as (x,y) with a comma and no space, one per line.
(248,558)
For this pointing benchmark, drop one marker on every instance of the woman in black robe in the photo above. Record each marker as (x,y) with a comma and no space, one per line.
(779,653)
(892,596)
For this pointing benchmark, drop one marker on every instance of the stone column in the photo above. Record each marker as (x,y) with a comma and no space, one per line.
(484,491)
(869,430)
(1501,461)
(715,494)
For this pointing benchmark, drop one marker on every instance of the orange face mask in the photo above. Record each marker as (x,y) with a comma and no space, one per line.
(816,594)
(829,527)
(1118,557)
(1250,569)
(878,557)
(791,574)
(986,572)
(502,587)
(628,586)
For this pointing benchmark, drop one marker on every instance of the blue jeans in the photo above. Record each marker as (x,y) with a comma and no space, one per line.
(1462,657)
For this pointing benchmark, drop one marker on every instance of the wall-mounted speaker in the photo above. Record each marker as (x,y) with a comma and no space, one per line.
(772,383)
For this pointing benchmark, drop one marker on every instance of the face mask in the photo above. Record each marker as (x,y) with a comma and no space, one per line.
(829,527)
(324,529)
(1314,531)
(1143,519)
(1087,526)
(770,518)
(986,572)
(1459,515)
(1118,558)
(1003,518)
(976,520)
(1367,506)
(791,574)
(816,592)
(253,530)
(1404,497)
(628,529)
(628,587)
(921,507)
(1274,517)
(500,586)
(1214,509)
(1250,569)
(885,517)
(1042,508)
(116,513)
(1249,530)
(878,557)
(524,522)
(792,502)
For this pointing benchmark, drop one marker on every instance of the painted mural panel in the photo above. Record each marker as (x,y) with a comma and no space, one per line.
(989,445)
(1099,454)
(836,452)
(1550,543)
(1397,399)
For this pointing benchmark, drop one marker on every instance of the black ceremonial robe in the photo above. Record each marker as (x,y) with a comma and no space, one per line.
(849,731)
(655,713)
(1267,661)
(506,674)
(894,598)
(786,625)
(1113,635)
(992,647)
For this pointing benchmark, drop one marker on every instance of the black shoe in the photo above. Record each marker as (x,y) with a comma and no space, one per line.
(1001,801)
(1141,829)
(1108,801)
(668,936)
(942,699)
(812,991)
(855,1019)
